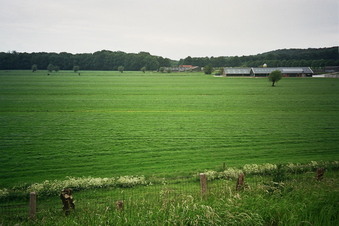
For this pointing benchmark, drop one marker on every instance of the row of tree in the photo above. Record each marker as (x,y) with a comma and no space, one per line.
(108,60)
(101,60)
(279,58)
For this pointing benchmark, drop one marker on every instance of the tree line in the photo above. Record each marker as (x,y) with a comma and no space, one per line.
(100,60)
(109,60)
(312,57)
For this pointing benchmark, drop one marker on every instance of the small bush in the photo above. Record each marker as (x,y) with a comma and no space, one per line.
(230,173)
(3,192)
(266,168)
(130,181)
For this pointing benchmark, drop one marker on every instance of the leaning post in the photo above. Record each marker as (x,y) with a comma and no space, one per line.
(320,174)
(203,184)
(119,205)
(32,205)
(240,182)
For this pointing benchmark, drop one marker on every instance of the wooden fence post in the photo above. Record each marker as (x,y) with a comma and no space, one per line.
(120,205)
(67,200)
(240,182)
(203,183)
(320,174)
(32,205)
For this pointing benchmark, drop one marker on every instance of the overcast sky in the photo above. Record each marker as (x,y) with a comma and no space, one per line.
(169,28)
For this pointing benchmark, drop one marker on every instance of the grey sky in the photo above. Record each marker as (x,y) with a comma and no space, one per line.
(169,28)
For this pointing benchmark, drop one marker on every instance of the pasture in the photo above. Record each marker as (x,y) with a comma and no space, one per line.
(105,124)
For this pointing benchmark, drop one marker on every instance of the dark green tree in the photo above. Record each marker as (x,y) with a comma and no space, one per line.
(162,69)
(208,69)
(121,69)
(274,77)
(50,67)
(76,68)
(34,68)
(188,61)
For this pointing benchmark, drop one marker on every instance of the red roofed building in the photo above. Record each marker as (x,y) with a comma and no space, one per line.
(188,68)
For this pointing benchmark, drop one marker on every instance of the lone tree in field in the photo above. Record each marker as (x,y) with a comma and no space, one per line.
(50,67)
(56,68)
(208,69)
(274,77)
(76,68)
(34,68)
(121,69)
(162,69)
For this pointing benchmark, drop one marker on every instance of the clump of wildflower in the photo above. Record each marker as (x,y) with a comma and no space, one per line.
(130,181)
(4,192)
(211,175)
(83,183)
(259,169)
(230,173)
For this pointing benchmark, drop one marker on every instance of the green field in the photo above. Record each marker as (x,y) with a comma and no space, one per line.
(105,124)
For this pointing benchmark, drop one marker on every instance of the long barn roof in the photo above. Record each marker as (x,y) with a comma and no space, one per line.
(268,70)
(240,71)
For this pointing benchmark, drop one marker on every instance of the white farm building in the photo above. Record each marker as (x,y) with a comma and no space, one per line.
(265,71)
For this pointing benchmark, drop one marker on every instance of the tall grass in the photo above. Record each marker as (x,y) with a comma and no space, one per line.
(298,199)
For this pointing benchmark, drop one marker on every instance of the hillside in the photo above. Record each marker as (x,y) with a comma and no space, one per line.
(302,54)
(315,57)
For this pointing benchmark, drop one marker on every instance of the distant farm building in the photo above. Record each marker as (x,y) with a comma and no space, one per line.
(237,71)
(188,68)
(183,68)
(265,71)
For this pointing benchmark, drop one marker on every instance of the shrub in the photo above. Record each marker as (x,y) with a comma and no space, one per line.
(54,187)
(266,168)
(211,175)
(230,173)
(3,192)
(130,181)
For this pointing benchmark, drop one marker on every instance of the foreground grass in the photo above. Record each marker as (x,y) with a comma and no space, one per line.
(298,199)
(105,124)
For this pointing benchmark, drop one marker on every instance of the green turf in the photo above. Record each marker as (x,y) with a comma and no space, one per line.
(105,124)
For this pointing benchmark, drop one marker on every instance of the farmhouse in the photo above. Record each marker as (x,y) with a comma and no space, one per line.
(265,71)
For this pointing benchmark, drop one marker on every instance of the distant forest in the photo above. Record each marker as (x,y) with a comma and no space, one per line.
(101,60)
(315,58)
(109,60)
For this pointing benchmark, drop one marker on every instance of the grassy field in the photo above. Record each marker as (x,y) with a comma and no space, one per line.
(105,124)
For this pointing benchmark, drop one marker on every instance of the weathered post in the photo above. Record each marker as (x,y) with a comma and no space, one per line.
(67,200)
(120,205)
(240,182)
(32,205)
(320,174)
(203,184)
